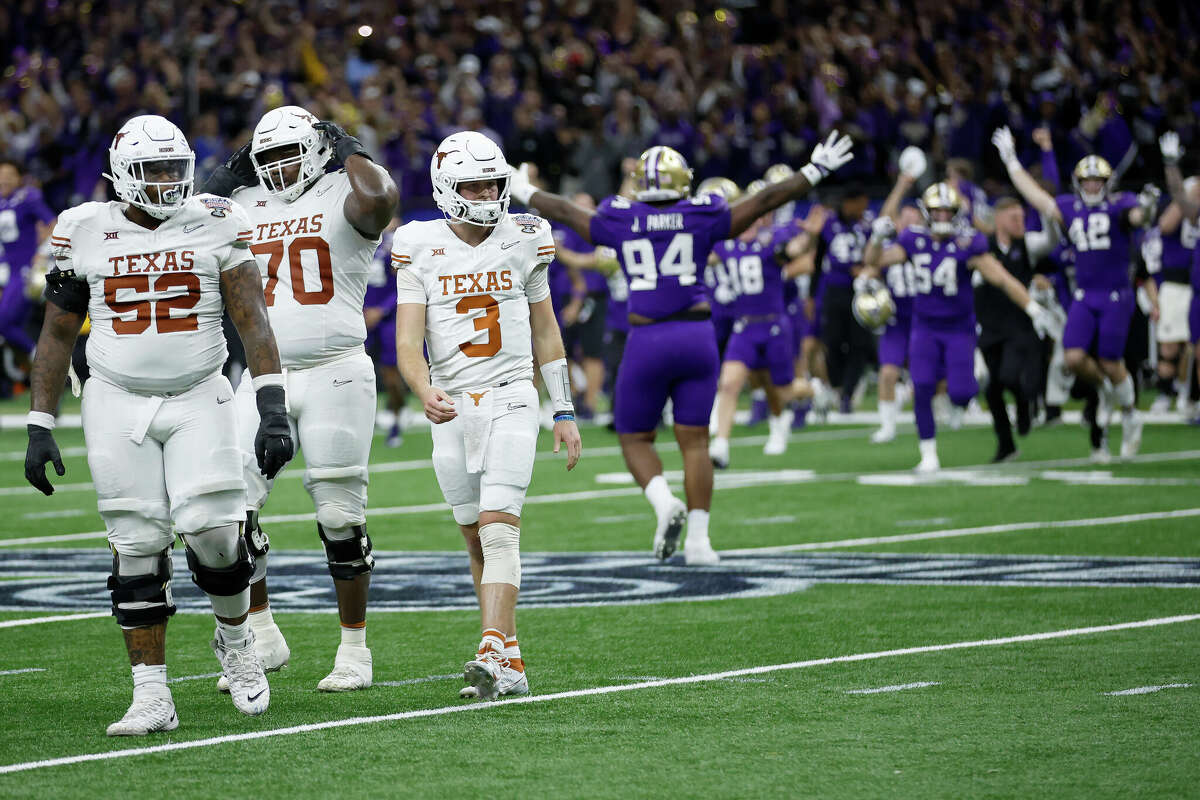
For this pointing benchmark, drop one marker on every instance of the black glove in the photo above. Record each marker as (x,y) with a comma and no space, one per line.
(273,442)
(344,145)
(236,172)
(42,448)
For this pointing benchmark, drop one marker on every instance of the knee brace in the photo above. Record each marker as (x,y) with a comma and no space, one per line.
(258,544)
(223,580)
(348,556)
(144,597)
(501,553)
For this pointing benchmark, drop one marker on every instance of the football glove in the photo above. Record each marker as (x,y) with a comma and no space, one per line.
(1003,140)
(519,186)
(273,442)
(827,157)
(1168,145)
(236,172)
(41,449)
(1147,199)
(344,145)
(883,228)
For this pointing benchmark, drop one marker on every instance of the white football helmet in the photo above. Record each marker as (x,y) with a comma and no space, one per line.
(464,157)
(149,145)
(283,127)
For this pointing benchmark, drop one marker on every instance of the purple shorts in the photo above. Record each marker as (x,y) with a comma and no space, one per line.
(1100,317)
(814,322)
(936,351)
(1194,316)
(893,342)
(723,326)
(384,335)
(668,359)
(765,345)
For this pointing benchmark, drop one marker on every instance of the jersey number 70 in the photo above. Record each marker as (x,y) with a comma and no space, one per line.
(295,252)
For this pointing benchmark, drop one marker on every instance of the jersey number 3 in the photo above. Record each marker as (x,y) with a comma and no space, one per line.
(490,322)
(295,254)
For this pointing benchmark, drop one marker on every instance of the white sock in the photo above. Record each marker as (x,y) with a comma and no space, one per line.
(758,394)
(928,448)
(659,494)
(355,636)
(697,525)
(234,635)
(1123,393)
(148,675)
(261,620)
(888,411)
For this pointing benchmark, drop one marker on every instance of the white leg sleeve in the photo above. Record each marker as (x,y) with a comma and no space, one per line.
(501,553)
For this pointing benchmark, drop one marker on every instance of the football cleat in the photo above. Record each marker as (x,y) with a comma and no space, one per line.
(718,452)
(351,670)
(483,675)
(883,435)
(1105,408)
(272,651)
(247,682)
(670,526)
(698,552)
(1161,404)
(1005,453)
(512,680)
(395,437)
(929,464)
(1100,453)
(778,429)
(1131,434)
(153,709)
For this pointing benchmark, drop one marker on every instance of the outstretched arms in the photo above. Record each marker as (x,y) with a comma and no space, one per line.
(1035,195)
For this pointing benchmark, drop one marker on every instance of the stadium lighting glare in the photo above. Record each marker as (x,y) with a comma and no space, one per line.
(365,31)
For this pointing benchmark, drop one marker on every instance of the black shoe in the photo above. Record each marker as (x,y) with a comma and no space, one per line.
(1006,452)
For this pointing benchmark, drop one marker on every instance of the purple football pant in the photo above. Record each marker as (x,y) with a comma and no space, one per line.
(765,345)
(1100,317)
(723,327)
(385,334)
(893,342)
(935,352)
(799,320)
(15,308)
(1194,316)
(668,359)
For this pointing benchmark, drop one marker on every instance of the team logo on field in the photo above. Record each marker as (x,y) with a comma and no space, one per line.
(57,580)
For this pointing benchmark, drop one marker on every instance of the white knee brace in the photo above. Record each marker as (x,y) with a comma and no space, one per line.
(501,553)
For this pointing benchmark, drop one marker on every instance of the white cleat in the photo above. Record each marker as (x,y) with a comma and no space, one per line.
(1161,404)
(351,670)
(272,651)
(718,452)
(512,680)
(670,526)
(483,675)
(1131,434)
(248,685)
(699,553)
(778,430)
(929,465)
(152,710)
(883,436)
(954,417)
(1104,407)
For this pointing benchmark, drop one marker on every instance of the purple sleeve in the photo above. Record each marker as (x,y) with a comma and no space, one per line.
(1124,202)
(907,240)
(1050,170)
(1065,203)
(978,246)
(605,225)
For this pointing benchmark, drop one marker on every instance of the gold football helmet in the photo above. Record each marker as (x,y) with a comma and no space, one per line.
(661,174)
(873,306)
(778,172)
(941,197)
(723,186)
(1092,168)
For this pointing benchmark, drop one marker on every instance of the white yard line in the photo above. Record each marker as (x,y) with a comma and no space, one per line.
(900,687)
(426,679)
(199,677)
(597,690)
(16,623)
(21,671)
(1149,689)
(948,533)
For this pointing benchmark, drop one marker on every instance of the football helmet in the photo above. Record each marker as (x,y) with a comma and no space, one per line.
(1092,167)
(720,186)
(778,172)
(661,174)
(464,157)
(282,127)
(754,187)
(941,197)
(147,146)
(873,305)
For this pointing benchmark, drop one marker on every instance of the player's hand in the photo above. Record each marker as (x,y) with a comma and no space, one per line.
(42,449)
(520,184)
(1045,322)
(1043,139)
(1168,145)
(883,228)
(344,145)
(815,221)
(828,156)
(566,432)
(1003,140)
(273,442)
(439,407)
(1148,200)
(241,165)
(912,164)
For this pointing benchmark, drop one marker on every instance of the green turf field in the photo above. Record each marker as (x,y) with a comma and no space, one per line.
(869,635)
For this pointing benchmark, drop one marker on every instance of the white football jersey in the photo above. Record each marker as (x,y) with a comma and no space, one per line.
(156,302)
(476,298)
(315,266)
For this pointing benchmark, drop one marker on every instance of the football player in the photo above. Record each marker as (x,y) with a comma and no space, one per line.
(474,288)
(1099,224)
(315,233)
(379,313)
(155,271)
(1189,209)
(942,342)
(663,238)
(24,224)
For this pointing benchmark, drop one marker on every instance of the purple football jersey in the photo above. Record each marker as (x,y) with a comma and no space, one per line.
(381,283)
(19,214)
(570,240)
(662,248)
(844,245)
(941,276)
(752,273)
(1101,240)
(902,283)
(1177,249)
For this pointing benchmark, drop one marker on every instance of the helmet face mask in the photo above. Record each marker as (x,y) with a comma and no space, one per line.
(941,197)
(1087,171)
(152,167)
(287,174)
(470,158)
(661,174)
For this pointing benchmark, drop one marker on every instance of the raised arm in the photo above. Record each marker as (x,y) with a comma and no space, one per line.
(1172,151)
(1035,195)
(550,205)
(1040,244)
(373,194)
(877,257)
(891,205)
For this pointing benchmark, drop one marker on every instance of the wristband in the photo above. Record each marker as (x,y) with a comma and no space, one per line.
(812,172)
(274,379)
(556,376)
(41,419)
(1032,308)
(564,416)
